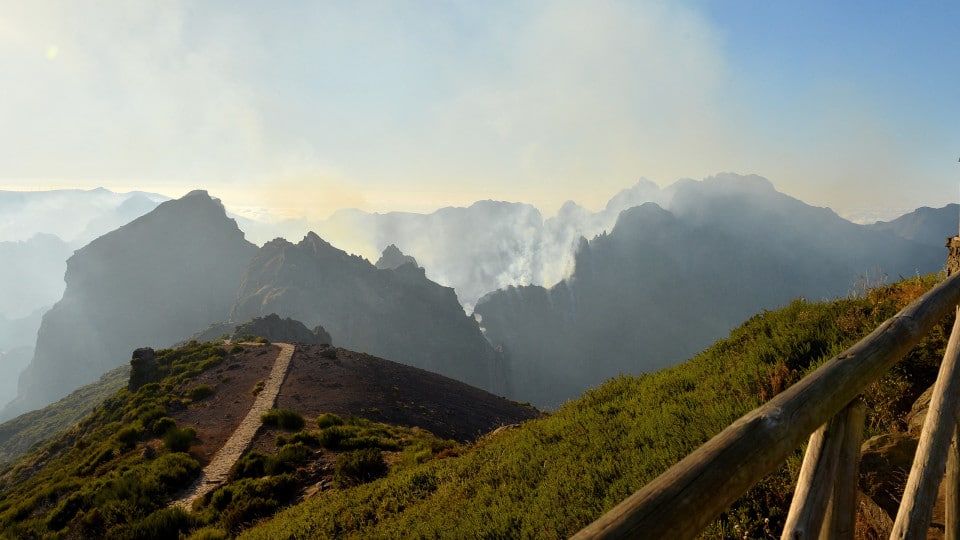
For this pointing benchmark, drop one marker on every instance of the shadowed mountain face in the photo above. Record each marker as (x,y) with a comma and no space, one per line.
(152,282)
(393,313)
(664,284)
(31,274)
(392,258)
(75,216)
(930,226)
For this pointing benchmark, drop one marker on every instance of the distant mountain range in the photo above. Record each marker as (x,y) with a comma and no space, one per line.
(650,280)
(395,313)
(662,285)
(153,281)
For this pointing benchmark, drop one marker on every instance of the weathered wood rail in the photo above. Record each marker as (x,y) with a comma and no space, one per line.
(682,501)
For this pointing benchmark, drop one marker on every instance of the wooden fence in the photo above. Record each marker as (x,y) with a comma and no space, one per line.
(823,406)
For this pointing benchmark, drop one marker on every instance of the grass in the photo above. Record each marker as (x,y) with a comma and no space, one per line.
(552,476)
(109,476)
(113,473)
(33,428)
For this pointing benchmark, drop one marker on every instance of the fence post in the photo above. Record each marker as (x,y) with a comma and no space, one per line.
(683,500)
(952,489)
(816,482)
(913,517)
(841,518)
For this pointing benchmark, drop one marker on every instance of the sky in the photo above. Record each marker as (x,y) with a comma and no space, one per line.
(301,108)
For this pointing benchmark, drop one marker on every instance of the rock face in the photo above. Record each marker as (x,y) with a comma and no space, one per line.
(665,284)
(287,330)
(152,282)
(392,313)
(392,258)
(143,368)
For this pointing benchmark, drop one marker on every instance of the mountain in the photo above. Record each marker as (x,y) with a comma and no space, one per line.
(18,435)
(488,245)
(549,477)
(76,216)
(17,338)
(271,328)
(39,230)
(392,258)
(154,281)
(343,418)
(392,313)
(31,275)
(663,284)
(929,226)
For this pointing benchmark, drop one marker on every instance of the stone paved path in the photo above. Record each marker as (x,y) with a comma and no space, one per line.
(215,473)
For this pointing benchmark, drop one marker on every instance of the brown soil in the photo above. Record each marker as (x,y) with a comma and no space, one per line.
(326,379)
(385,391)
(218,415)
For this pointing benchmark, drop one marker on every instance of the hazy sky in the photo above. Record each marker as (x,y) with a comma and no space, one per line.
(313,106)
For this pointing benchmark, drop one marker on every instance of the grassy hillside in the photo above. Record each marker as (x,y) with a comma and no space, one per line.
(550,477)
(115,473)
(21,433)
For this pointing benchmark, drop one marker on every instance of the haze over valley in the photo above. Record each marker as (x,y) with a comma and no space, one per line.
(493,294)
(457,269)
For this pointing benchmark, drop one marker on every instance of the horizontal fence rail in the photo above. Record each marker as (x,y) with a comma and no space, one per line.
(685,499)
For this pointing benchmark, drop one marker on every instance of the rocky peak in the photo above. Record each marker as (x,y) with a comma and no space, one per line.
(152,282)
(392,258)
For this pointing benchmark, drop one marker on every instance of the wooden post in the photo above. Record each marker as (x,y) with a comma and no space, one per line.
(687,497)
(916,507)
(952,489)
(842,514)
(815,484)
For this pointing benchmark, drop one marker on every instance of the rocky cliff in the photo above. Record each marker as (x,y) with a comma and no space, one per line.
(393,313)
(665,284)
(152,282)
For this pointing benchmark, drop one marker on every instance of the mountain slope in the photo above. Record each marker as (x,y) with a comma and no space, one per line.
(392,313)
(154,281)
(929,226)
(76,216)
(113,474)
(664,284)
(21,433)
(550,477)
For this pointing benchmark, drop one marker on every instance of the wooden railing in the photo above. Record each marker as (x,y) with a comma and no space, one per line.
(825,407)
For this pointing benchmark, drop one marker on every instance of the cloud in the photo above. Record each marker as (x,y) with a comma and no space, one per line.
(506,98)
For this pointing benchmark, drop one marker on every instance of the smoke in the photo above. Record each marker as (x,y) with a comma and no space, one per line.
(488,245)
(74,216)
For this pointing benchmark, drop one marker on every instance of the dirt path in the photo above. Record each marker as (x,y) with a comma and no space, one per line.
(215,473)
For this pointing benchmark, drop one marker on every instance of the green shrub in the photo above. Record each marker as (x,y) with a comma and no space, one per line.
(165,523)
(257,388)
(163,425)
(310,438)
(326,420)
(209,533)
(64,512)
(331,437)
(251,465)
(199,392)
(246,511)
(293,454)
(128,437)
(284,419)
(236,349)
(358,467)
(149,413)
(179,439)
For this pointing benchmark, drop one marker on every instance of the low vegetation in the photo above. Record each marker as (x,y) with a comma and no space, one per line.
(551,477)
(114,474)
(34,428)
